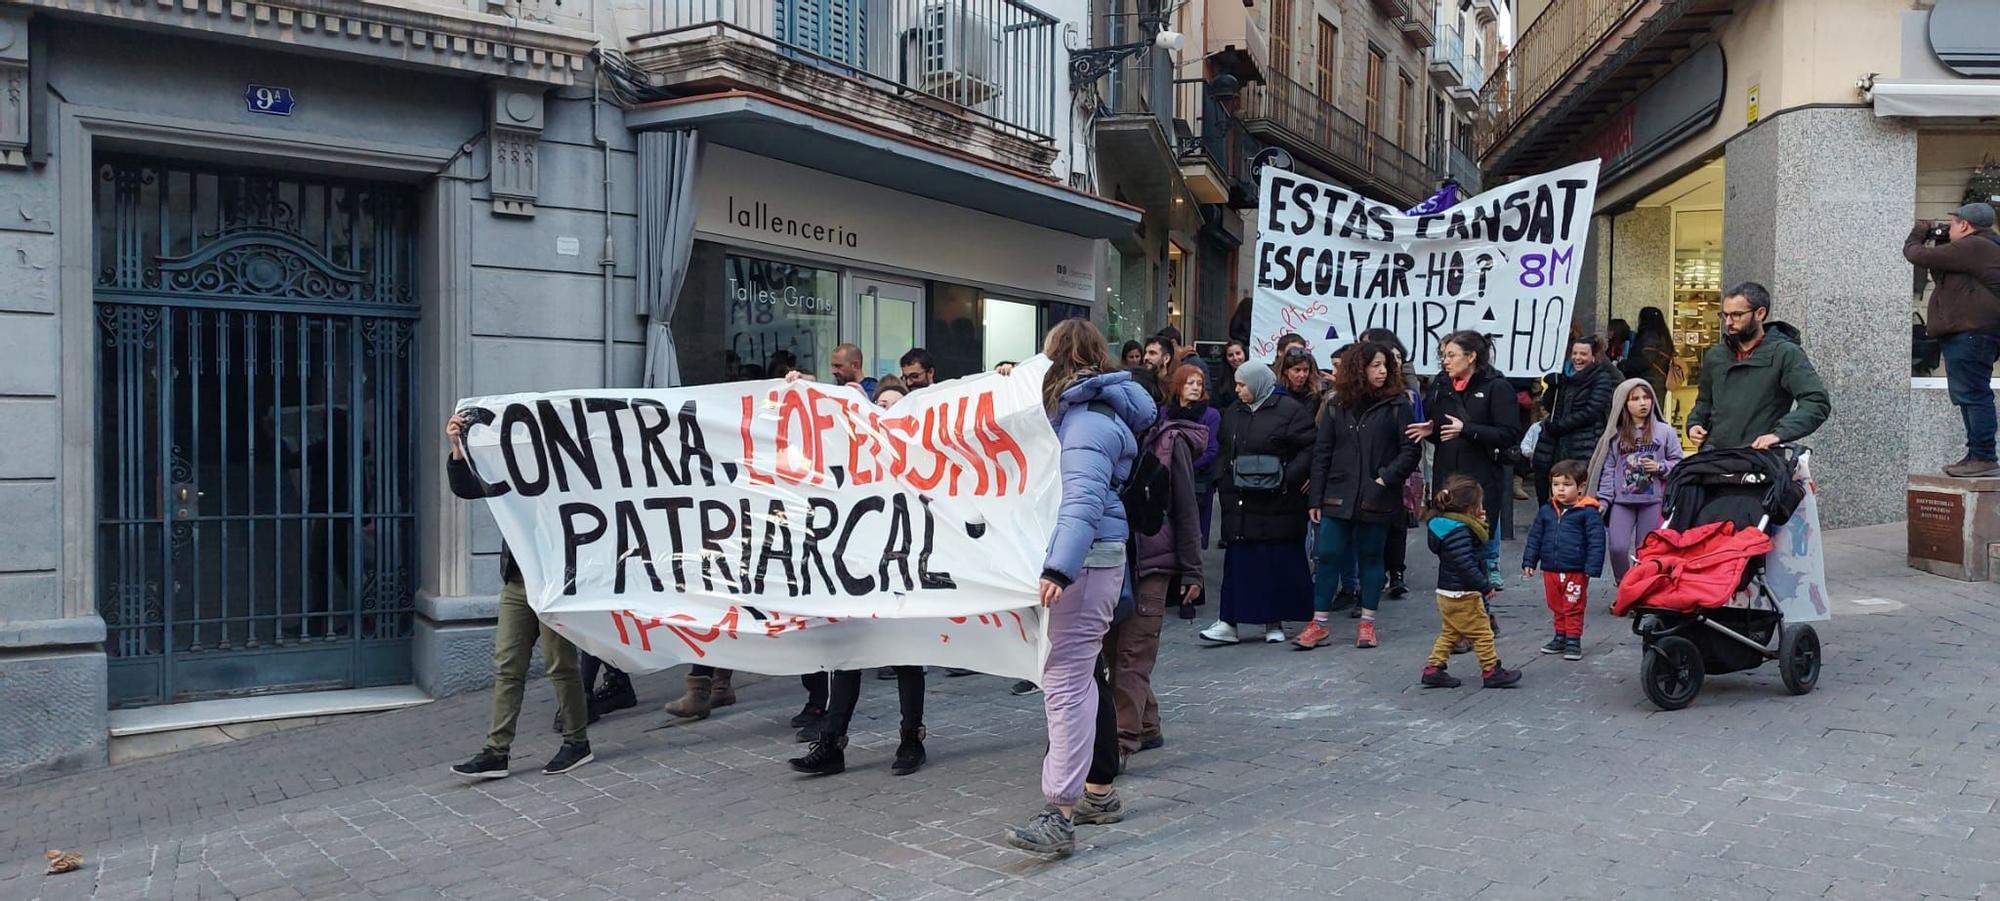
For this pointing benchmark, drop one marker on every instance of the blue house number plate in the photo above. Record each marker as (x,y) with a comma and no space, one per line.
(268,100)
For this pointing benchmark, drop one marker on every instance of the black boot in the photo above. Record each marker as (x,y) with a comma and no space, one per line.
(910,754)
(825,758)
(1397,590)
(809,721)
(807,716)
(614,695)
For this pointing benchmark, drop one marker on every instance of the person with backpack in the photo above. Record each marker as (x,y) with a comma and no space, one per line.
(1361,457)
(1160,507)
(1267,441)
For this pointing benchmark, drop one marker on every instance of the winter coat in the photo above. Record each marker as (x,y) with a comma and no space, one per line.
(1582,403)
(1175,550)
(1651,358)
(1773,390)
(1097,453)
(467,485)
(1968,278)
(1492,416)
(1204,464)
(1282,427)
(1461,555)
(1567,540)
(1621,481)
(1353,453)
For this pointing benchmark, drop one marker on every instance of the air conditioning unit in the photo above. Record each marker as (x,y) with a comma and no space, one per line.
(953,53)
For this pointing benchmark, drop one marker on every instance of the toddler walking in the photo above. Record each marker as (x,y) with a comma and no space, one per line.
(1567,545)
(1630,468)
(1457,535)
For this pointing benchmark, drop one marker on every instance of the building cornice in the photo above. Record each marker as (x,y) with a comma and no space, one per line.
(425,36)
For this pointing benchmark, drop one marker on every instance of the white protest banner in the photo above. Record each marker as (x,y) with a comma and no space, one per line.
(781,528)
(1332,264)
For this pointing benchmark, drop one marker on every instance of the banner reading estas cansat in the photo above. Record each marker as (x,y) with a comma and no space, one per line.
(1332,264)
(781,528)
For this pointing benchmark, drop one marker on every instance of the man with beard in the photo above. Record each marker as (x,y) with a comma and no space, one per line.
(1757,387)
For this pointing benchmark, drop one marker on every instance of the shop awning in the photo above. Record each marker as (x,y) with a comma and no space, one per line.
(779,130)
(1953,99)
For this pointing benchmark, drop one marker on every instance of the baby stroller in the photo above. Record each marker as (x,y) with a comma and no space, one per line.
(1697,593)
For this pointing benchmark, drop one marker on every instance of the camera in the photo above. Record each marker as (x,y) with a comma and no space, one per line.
(1938,233)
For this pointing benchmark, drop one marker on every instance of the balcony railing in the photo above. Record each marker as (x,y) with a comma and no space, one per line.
(1448,57)
(1464,170)
(1338,140)
(1208,131)
(1560,38)
(995,59)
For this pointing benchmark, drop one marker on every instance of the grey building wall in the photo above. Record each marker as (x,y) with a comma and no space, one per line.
(1642,262)
(1824,231)
(503,311)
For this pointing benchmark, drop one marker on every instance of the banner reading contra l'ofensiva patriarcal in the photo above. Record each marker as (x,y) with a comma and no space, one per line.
(1331,264)
(781,528)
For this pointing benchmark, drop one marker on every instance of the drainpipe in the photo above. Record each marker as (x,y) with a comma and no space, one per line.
(607,262)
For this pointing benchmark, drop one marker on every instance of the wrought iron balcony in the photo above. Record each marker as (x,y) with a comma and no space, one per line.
(994,62)
(1562,37)
(1464,170)
(1448,59)
(1213,147)
(1285,112)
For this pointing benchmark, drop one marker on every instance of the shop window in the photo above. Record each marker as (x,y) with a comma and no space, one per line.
(1696,315)
(1128,305)
(953,330)
(1011,333)
(767,316)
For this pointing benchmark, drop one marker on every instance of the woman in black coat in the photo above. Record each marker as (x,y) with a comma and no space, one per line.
(1361,457)
(1266,450)
(1474,418)
(1652,354)
(1577,415)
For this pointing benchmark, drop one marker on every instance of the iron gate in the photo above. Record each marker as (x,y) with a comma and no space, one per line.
(255,391)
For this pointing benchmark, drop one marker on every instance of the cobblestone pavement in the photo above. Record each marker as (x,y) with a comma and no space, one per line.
(1328,773)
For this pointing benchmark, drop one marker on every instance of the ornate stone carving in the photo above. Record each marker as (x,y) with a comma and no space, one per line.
(13,88)
(514,137)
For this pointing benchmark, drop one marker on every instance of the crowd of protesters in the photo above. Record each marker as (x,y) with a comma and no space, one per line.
(1311,478)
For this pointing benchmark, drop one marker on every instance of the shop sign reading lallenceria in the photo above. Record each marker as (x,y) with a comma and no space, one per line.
(1682,104)
(755,199)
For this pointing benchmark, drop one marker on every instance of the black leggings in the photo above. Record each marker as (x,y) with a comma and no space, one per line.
(1396,556)
(847,693)
(1104,748)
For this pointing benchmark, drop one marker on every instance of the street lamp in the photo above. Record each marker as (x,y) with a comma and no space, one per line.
(1090,64)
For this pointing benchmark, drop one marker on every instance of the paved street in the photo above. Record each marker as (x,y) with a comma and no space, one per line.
(1329,773)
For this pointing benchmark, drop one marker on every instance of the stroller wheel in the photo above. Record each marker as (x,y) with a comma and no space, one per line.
(1672,672)
(1798,658)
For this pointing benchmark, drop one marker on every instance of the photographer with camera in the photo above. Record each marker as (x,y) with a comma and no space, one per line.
(1963,314)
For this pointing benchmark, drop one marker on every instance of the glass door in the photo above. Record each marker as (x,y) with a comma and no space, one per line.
(888,322)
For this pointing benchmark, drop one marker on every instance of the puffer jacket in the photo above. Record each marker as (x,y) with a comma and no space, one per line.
(1461,555)
(1583,404)
(1567,540)
(1282,427)
(1353,452)
(1621,481)
(1175,550)
(1097,453)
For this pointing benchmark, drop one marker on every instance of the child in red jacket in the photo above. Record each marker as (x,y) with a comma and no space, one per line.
(1567,545)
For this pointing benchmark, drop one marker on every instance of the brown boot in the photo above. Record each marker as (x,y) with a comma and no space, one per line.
(695,704)
(721,694)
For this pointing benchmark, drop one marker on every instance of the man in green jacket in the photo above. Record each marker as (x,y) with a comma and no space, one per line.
(1757,387)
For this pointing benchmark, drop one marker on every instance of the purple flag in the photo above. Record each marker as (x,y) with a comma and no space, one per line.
(1444,199)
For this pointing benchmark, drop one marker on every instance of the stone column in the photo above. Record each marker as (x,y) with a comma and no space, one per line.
(1642,263)
(1817,204)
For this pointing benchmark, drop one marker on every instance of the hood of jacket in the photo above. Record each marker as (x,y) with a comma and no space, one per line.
(1113,389)
(1189,433)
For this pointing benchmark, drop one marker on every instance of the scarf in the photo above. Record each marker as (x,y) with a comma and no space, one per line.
(1478,526)
(1260,380)
(1191,412)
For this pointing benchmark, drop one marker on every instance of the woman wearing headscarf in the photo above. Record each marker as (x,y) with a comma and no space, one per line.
(1652,353)
(1267,440)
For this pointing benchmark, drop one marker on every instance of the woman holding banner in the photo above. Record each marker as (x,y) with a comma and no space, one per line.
(1267,441)
(1096,411)
(1475,421)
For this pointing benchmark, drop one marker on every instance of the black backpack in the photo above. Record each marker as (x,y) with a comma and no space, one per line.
(1148,491)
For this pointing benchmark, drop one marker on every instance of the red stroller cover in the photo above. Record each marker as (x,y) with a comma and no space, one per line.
(1691,570)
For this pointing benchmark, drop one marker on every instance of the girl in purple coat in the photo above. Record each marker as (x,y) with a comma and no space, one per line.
(1630,468)
(1096,411)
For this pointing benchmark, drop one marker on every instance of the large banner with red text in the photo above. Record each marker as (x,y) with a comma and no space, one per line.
(781,527)
(1332,264)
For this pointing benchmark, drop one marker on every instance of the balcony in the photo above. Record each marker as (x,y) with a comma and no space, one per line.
(1448,59)
(1485,11)
(978,76)
(1212,145)
(1463,169)
(1465,94)
(1418,28)
(1287,113)
(1394,9)
(1575,64)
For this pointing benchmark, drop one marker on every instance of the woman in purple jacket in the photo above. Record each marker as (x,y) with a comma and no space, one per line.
(1630,468)
(1187,399)
(1096,412)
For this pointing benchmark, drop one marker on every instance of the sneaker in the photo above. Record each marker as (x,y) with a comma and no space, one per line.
(1023,688)
(1187,611)
(910,756)
(1969,468)
(1220,633)
(1573,649)
(1274,634)
(487,764)
(1152,742)
(1397,589)
(827,756)
(808,715)
(1502,677)
(1436,677)
(1312,636)
(573,754)
(1094,809)
(1556,644)
(952,672)
(1364,637)
(1048,833)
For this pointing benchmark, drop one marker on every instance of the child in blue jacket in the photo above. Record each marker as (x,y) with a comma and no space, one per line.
(1567,545)
(1457,535)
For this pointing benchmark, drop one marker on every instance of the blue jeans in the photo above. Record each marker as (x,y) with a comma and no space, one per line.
(1344,543)
(1968,370)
